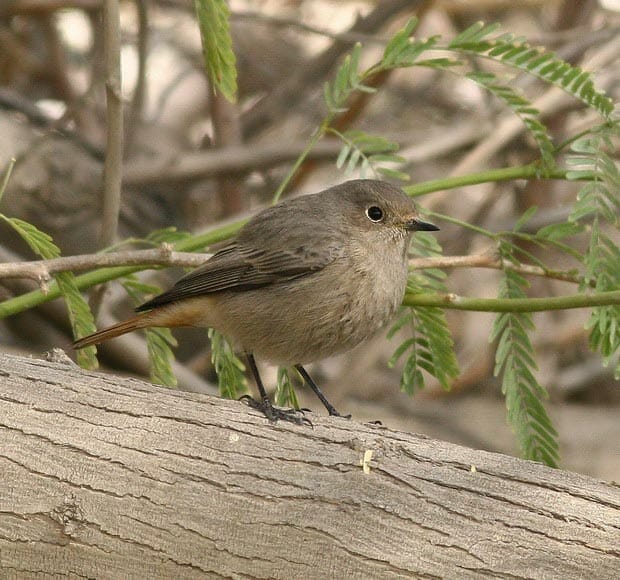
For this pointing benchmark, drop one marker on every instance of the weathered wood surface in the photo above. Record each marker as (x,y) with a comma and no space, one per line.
(103,477)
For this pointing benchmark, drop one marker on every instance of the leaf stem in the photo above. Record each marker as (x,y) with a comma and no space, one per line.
(529,171)
(318,135)
(456,302)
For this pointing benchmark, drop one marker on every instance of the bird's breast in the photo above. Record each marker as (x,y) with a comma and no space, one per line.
(316,316)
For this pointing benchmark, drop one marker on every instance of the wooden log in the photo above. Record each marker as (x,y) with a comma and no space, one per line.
(108,477)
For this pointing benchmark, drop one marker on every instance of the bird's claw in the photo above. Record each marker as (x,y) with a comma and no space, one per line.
(275,414)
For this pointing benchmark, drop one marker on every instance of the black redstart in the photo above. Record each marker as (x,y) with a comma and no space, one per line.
(308,278)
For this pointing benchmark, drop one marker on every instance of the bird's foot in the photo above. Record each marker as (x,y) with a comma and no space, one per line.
(275,414)
(334,413)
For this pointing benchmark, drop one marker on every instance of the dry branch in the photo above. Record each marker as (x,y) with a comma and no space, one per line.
(109,477)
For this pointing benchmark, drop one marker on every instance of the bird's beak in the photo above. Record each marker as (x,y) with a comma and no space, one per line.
(416,225)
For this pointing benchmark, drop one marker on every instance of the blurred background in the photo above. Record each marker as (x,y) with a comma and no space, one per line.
(192,161)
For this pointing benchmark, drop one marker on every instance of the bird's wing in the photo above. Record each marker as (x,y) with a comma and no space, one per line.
(239,267)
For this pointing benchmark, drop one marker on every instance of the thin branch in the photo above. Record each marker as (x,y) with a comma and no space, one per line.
(113,164)
(112,171)
(43,270)
(280,22)
(139,94)
(493,262)
(231,160)
(100,276)
(456,302)
(38,7)
(529,171)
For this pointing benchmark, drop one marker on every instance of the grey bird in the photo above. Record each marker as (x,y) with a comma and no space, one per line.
(308,278)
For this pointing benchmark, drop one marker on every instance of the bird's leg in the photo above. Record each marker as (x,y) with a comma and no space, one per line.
(264,405)
(330,408)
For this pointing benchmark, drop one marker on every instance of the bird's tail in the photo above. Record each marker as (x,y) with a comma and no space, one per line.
(139,321)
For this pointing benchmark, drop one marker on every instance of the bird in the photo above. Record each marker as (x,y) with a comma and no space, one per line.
(310,277)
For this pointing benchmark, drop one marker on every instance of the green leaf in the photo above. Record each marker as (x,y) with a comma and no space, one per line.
(399,43)
(80,317)
(40,242)
(528,214)
(229,369)
(482,41)
(439,63)
(169,235)
(430,346)
(160,343)
(522,107)
(285,395)
(560,231)
(343,155)
(393,173)
(598,201)
(365,152)
(514,362)
(138,290)
(217,48)
(474,34)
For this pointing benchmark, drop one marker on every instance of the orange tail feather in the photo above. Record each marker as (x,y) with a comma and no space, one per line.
(140,321)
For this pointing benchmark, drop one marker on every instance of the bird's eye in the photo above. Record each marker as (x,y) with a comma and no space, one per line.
(374,213)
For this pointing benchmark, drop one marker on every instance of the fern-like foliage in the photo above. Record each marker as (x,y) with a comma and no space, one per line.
(522,107)
(348,80)
(484,40)
(403,50)
(218,54)
(159,341)
(598,201)
(515,362)
(285,395)
(430,346)
(229,368)
(42,244)
(170,235)
(368,153)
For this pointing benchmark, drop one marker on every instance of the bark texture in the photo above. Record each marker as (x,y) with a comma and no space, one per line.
(103,477)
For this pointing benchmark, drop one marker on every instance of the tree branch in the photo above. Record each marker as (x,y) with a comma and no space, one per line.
(42,270)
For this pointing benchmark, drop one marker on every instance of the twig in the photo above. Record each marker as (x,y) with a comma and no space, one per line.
(493,262)
(10,99)
(281,22)
(38,7)
(112,170)
(137,101)
(113,164)
(43,270)
(229,160)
